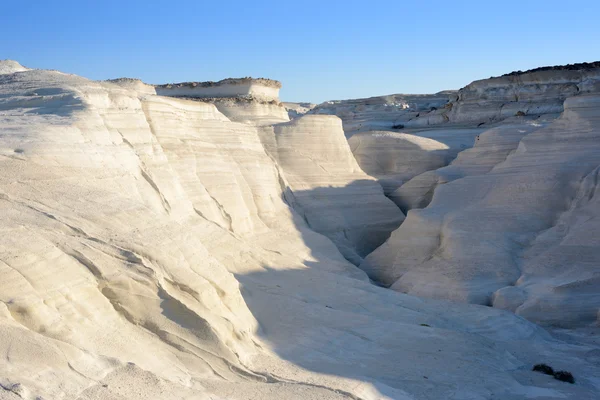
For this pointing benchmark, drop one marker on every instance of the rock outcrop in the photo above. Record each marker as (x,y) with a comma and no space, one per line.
(251,111)
(151,248)
(134,84)
(398,137)
(384,112)
(510,232)
(541,91)
(245,100)
(260,88)
(529,93)
(394,158)
(328,188)
(323,182)
(491,146)
(120,211)
(296,110)
(10,67)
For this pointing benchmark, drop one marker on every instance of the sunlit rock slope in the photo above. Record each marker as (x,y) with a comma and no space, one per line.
(395,157)
(328,188)
(513,228)
(151,249)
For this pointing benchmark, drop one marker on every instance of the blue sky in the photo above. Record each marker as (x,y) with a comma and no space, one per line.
(320,50)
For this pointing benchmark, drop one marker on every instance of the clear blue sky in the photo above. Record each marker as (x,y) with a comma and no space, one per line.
(320,50)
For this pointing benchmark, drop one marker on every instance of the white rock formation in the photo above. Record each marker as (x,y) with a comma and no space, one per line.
(503,106)
(116,215)
(396,157)
(10,67)
(490,148)
(541,91)
(331,192)
(147,252)
(262,89)
(535,92)
(296,110)
(245,100)
(134,84)
(510,234)
(252,111)
(397,137)
(385,112)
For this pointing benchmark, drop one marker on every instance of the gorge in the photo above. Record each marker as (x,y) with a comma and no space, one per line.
(203,240)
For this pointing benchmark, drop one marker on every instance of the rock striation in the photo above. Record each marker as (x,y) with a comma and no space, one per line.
(322,178)
(528,259)
(399,140)
(251,111)
(245,100)
(535,92)
(384,112)
(152,248)
(491,146)
(328,188)
(117,210)
(394,158)
(261,89)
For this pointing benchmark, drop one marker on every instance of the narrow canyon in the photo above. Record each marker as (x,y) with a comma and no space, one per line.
(204,240)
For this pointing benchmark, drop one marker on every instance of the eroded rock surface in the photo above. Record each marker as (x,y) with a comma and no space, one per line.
(394,158)
(328,188)
(296,110)
(10,66)
(260,88)
(500,236)
(491,147)
(529,93)
(150,249)
(384,112)
(245,100)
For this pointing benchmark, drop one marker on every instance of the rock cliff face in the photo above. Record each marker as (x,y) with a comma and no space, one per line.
(537,92)
(262,89)
(398,137)
(491,146)
(134,84)
(437,252)
(530,93)
(152,247)
(394,158)
(510,231)
(329,189)
(246,100)
(296,110)
(383,112)
(120,212)
(251,111)
(324,182)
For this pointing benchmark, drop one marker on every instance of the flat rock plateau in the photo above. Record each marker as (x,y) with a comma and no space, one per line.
(203,240)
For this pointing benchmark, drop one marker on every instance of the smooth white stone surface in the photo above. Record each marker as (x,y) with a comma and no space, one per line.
(520,223)
(147,252)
